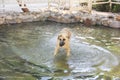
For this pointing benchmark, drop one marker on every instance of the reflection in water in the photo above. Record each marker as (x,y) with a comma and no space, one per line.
(93,49)
(61,63)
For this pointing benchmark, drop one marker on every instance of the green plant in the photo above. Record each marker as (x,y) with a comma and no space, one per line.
(116,8)
(106,7)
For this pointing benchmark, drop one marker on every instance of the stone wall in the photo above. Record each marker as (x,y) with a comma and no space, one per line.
(89,19)
(19,17)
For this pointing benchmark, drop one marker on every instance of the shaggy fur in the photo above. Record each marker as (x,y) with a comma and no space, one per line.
(63,41)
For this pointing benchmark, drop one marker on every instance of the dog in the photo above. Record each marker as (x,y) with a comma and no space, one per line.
(63,41)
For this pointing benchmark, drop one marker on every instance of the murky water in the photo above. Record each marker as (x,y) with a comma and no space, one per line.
(95,51)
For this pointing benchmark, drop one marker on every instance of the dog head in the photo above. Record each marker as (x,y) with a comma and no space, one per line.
(63,39)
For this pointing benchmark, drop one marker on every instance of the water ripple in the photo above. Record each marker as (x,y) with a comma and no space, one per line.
(89,58)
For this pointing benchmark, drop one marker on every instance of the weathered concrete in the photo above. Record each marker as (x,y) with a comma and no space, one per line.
(89,19)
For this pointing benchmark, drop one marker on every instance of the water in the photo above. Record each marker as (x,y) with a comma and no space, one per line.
(94,55)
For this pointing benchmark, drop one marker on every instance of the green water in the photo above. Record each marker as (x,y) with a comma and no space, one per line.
(26,52)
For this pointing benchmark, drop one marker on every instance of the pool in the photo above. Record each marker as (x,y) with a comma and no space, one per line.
(94,55)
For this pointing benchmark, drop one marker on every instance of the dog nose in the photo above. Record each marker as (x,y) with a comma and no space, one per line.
(61,43)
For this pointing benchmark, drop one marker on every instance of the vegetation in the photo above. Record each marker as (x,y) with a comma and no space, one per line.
(106,7)
(116,8)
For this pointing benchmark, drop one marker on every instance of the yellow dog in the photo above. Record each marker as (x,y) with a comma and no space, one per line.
(63,41)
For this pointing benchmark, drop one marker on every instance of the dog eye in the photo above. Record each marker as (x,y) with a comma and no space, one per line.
(63,39)
(60,39)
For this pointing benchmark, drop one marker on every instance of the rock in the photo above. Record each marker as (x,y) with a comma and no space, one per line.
(118,18)
(27,18)
(9,17)
(46,14)
(115,24)
(18,20)
(77,17)
(62,16)
(111,16)
(105,22)
(88,22)
(2,20)
(68,16)
(98,21)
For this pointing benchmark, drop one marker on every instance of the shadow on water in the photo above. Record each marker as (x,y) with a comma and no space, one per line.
(94,51)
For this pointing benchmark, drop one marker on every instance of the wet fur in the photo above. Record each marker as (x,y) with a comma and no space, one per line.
(64,36)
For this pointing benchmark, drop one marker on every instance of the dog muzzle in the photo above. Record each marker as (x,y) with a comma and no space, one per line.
(61,43)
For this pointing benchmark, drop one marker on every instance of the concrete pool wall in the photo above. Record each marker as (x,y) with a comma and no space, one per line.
(94,18)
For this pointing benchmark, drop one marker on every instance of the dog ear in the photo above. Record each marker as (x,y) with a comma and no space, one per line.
(68,37)
(59,36)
